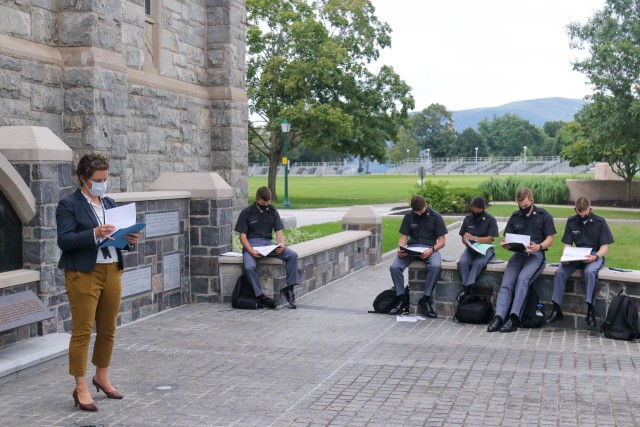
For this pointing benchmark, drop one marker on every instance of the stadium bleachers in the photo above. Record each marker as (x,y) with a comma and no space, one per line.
(439,166)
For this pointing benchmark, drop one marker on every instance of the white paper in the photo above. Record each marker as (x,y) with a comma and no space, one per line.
(572,253)
(517,238)
(415,249)
(409,318)
(481,248)
(232,254)
(122,216)
(266,250)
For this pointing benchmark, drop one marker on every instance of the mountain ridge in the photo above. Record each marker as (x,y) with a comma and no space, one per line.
(536,111)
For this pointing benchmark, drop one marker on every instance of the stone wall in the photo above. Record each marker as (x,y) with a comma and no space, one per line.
(320,261)
(574,307)
(78,68)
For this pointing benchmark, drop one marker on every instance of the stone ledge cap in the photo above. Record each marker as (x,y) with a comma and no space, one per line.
(361,214)
(33,143)
(201,185)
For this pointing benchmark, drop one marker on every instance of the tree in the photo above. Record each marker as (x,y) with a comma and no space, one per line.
(433,128)
(307,62)
(405,147)
(610,123)
(509,134)
(467,142)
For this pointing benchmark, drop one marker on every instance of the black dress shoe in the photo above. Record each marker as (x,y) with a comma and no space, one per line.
(466,290)
(264,301)
(290,296)
(591,316)
(555,315)
(511,325)
(427,308)
(495,324)
(400,307)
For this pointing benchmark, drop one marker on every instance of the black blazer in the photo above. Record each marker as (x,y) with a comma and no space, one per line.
(76,221)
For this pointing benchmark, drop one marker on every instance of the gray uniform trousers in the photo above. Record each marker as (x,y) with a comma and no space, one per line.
(289,256)
(521,271)
(589,275)
(472,264)
(433,271)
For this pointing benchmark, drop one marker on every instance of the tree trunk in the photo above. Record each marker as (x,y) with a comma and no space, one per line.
(271,180)
(629,181)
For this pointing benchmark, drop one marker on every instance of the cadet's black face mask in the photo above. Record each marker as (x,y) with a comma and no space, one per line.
(525,210)
(478,216)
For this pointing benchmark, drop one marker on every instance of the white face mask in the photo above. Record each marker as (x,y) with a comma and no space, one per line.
(98,189)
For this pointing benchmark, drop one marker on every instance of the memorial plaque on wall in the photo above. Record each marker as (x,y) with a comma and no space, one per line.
(136,281)
(161,224)
(171,271)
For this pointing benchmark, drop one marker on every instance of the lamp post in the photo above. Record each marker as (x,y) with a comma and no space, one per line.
(407,154)
(286,127)
(525,154)
(476,156)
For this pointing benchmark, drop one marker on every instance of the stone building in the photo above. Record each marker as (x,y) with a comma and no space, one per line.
(156,85)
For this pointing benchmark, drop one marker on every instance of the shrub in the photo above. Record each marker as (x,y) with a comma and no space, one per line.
(441,199)
(546,189)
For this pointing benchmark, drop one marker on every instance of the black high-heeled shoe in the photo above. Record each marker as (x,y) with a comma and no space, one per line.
(110,394)
(91,407)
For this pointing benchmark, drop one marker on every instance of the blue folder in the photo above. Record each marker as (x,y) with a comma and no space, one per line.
(120,241)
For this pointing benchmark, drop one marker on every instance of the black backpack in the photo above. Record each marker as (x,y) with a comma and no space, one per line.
(386,300)
(476,309)
(243,296)
(533,313)
(622,319)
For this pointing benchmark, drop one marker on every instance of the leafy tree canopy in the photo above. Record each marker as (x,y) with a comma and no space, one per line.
(467,142)
(610,124)
(307,62)
(509,134)
(433,128)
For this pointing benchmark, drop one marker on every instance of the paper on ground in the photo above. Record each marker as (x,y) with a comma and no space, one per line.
(409,318)
(572,253)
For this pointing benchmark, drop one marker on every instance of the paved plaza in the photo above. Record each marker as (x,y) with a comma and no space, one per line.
(332,363)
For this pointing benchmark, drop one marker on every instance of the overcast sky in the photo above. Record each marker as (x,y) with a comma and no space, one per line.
(471,54)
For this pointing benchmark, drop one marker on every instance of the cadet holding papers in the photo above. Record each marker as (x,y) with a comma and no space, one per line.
(529,224)
(477,233)
(591,236)
(422,234)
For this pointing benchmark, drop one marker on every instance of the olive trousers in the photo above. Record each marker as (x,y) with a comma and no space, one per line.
(94,296)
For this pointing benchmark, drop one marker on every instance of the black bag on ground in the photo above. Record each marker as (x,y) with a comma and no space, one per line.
(476,309)
(533,313)
(243,296)
(386,300)
(622,319)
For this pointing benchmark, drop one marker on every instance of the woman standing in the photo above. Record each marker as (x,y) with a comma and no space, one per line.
(92,276)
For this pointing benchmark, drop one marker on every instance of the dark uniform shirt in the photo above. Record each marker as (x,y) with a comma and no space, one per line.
(423,229)
(259,223)
(485,226)
(538,225)
(591,232)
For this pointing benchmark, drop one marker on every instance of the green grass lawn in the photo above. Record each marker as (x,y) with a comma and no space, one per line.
(621,253)
(317,192)
(327,191)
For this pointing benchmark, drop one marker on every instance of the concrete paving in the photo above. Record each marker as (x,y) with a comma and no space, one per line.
(331,363)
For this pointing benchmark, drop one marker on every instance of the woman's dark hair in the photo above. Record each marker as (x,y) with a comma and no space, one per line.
(89,163)
(479,202)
